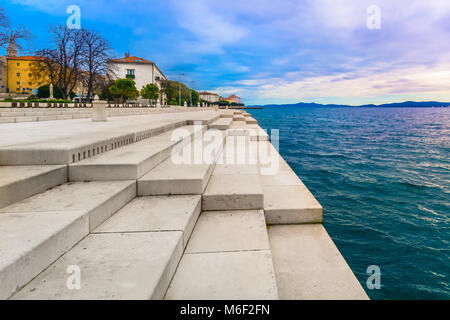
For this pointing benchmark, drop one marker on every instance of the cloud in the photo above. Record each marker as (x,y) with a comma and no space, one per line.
(284,50)
(211,30)
(357,87)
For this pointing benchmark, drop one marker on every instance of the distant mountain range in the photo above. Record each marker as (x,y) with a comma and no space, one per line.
(406,104)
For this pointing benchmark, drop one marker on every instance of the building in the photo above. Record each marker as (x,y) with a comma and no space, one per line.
(231,99)
(209,97)
(234,98)
(142,71)
(19,76)
(3,74)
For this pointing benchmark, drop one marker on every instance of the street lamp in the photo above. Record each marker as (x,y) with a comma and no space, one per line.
(179,90)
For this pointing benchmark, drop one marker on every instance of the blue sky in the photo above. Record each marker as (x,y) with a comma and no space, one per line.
(268,51)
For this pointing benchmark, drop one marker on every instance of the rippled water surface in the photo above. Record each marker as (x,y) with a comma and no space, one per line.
(383,178)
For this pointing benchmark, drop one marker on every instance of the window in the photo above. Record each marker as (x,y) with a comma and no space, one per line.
(130,74)
(30,75)
(30,83)
(18,74)
(18,64)
(18,82)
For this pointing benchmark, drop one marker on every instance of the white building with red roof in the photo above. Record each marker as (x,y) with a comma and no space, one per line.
(140,70)
(209,97)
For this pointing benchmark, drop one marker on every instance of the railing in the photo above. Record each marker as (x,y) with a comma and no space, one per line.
(35,105)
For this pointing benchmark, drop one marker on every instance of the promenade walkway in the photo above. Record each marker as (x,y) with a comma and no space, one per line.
(174,205)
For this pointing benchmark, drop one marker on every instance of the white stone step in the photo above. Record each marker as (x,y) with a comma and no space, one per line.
(286,199)
(7,119)
(26,119)
(156,214)
(133,255)
(67,148)
(226,114)
(204,119)
(20,182)
(47,118)
(256,133)
(64,142)
(134,160)
(235,183)
(36,231)
(221,124)
(238,128)
(250,120)
(309,266)
(291,205)
(233,191)
(57,143)
(100,198)
(227,258)
(12,114)
(189,176)
(118,266)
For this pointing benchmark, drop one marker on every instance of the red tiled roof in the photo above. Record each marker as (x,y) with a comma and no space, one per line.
(233,96)
(208,93)
(24,58)
(131,60)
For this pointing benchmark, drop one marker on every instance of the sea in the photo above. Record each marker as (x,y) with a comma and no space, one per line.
(382,176)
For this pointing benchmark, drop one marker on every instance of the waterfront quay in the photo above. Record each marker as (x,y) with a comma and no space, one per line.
(157,203)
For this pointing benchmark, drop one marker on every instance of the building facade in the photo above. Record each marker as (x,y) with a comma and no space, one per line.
(141,71)
(20,78)
(209,97)
(3,74)
(234,98)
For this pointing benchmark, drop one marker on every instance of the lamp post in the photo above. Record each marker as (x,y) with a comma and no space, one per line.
(179,90)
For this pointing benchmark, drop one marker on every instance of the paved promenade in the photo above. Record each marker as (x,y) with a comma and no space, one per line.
(174,205)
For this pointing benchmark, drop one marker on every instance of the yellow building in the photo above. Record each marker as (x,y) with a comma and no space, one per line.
(20,76)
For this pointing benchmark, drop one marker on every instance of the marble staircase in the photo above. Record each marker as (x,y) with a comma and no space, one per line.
(193,205)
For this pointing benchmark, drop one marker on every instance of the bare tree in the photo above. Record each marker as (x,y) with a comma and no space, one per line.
(21,36)
(77,60)
(4,21)
(96,54)
(4,27)
(62,64)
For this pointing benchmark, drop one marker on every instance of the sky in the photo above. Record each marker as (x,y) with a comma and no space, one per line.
(266,51)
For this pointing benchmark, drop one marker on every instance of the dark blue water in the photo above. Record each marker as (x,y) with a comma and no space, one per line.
(383,178)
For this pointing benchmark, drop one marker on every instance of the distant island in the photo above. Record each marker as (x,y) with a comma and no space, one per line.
(406,104)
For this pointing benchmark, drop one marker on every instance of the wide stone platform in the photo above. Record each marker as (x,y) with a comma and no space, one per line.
(140,224)
(64,142)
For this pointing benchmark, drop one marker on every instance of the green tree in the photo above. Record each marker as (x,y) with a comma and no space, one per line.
(150,92)
(170,88)
(44,92)
(105,94)
(195,98)
(124,89)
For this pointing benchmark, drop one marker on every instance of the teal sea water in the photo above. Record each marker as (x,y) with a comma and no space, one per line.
(383,178)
